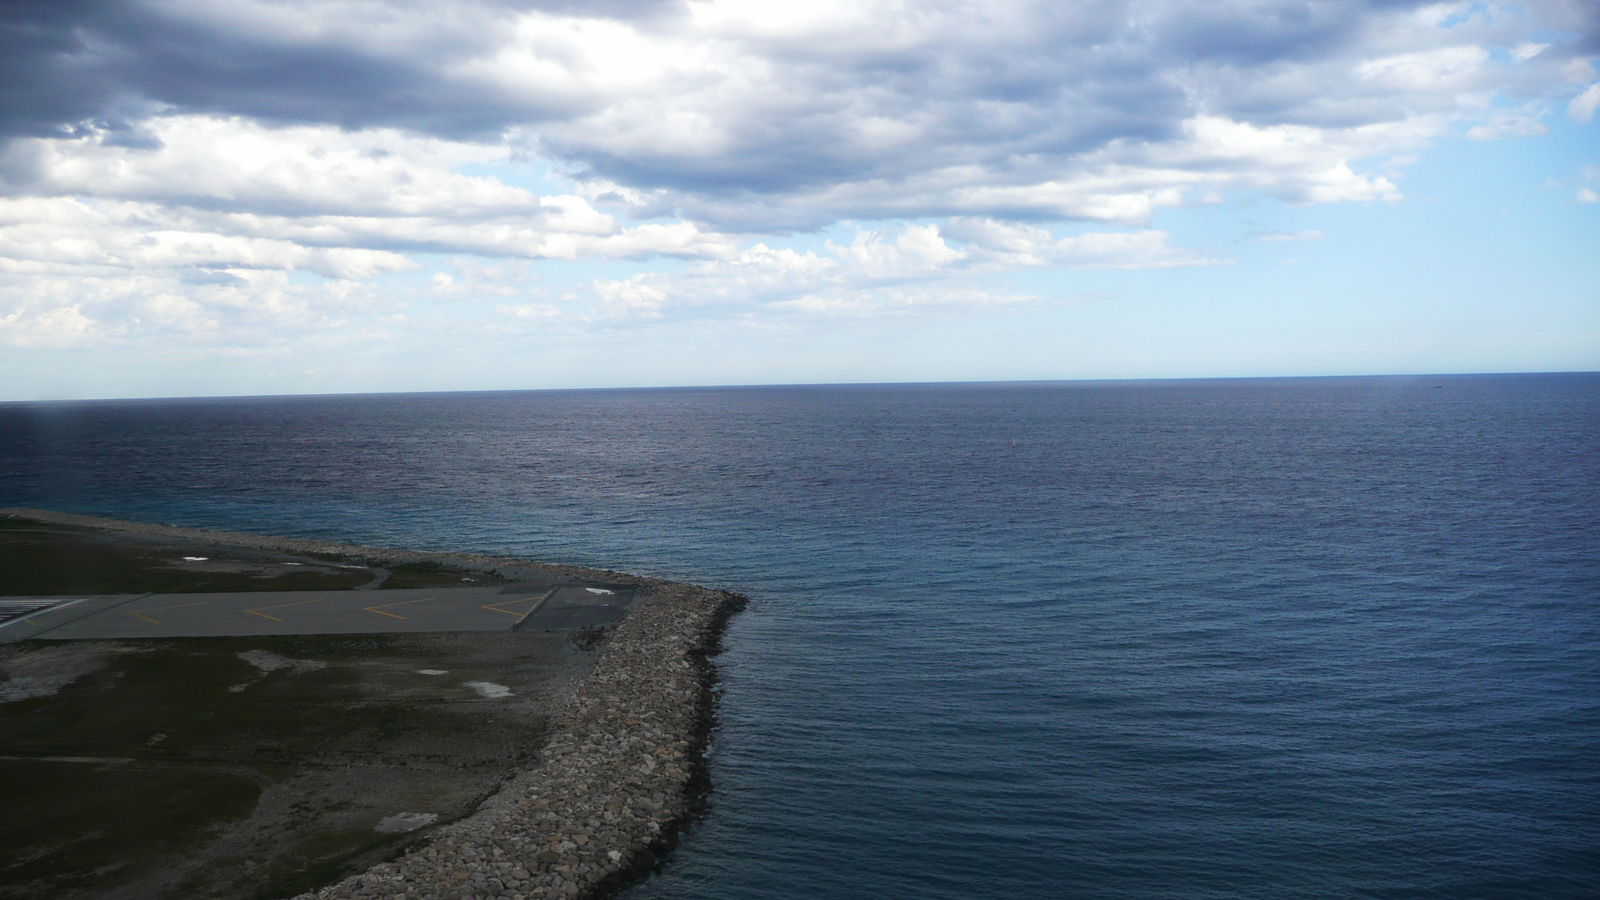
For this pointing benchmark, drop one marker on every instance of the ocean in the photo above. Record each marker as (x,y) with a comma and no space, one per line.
(1270,638)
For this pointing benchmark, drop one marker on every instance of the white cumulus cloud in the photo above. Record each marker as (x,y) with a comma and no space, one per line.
(888,270)
(1582,107)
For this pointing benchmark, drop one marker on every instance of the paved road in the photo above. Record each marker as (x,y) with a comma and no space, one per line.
(520,607)
(11,608)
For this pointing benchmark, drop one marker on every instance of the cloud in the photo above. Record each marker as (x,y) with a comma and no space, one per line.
(1582,107)
(881,271)
(55,234)
(741,116)
(1283,236)
(62,326)
(234,164)
(178,166)
(1587,195)
(210,216)
(320,186)
(1509,124)
(1528,50)
(917,250)
(531,311)
(994,245)
(81,306)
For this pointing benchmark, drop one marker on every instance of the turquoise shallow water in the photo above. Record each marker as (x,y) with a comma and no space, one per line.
(1268,638)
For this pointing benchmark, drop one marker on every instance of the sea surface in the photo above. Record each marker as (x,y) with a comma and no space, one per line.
(1302,638)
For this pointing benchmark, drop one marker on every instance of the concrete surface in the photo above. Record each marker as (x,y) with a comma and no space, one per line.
(531,607)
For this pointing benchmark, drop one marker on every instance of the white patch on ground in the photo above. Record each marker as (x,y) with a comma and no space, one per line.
(433,671)
(403,822)
(268,662)
(197,558)
(238,688)
(488,690)
(41,671)
(599,591)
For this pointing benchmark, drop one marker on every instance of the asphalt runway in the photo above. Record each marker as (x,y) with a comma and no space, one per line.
(130,616)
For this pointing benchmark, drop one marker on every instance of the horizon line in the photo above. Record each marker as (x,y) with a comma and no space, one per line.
(1017,382)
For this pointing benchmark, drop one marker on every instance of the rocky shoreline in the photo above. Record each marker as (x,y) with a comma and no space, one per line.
(621,775)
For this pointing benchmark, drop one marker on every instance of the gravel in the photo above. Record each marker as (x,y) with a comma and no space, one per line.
(622,773)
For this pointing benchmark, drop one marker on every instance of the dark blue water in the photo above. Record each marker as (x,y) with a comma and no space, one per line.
(1317,638)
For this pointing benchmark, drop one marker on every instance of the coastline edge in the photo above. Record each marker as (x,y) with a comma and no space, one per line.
(622,774)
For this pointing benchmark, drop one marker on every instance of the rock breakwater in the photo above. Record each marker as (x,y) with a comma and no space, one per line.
(621,774)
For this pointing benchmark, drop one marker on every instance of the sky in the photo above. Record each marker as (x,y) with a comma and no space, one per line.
(226,197)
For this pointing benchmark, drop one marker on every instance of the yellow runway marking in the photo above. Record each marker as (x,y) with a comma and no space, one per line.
(496,606)
(160,608)
(258,612)
(379,609)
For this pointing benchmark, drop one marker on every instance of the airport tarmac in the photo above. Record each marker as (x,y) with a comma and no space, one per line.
(523,607)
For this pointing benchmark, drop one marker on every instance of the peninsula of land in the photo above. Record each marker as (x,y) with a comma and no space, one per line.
(197,713)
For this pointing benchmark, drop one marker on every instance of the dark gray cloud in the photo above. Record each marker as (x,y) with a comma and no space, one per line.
(100,60)
(65,62)
(75,61)
(745,123)
(46,82)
